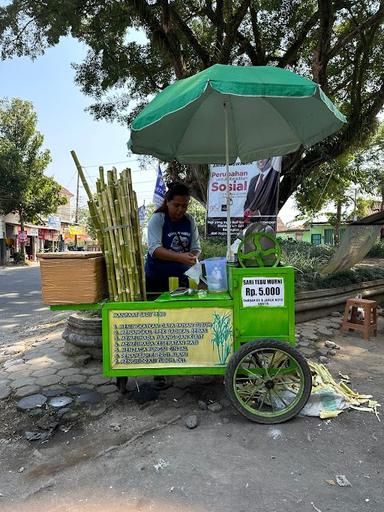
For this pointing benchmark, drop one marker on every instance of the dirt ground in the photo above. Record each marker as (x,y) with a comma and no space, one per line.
(143,458)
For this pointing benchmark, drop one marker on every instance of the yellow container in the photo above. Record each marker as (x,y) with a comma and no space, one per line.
(173,283)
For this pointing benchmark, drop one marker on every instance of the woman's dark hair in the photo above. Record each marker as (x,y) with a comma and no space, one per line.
(174,189)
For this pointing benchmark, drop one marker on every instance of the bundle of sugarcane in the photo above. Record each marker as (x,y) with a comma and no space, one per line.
(115,216)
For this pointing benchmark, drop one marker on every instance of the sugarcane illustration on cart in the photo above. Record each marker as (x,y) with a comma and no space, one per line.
(222,336)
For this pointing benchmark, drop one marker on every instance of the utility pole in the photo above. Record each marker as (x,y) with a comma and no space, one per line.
(77,206)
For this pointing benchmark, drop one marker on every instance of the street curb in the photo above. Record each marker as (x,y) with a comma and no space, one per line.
(313,304)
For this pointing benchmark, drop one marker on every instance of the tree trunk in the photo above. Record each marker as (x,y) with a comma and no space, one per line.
(22,243)
(337,224)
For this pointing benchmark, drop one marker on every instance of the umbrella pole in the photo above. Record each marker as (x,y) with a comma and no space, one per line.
(229,255)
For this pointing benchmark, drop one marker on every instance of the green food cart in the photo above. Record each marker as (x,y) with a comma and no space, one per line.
(247,333)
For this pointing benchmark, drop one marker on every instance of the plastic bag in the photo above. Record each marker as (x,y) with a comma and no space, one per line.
(195,272)
(323,401)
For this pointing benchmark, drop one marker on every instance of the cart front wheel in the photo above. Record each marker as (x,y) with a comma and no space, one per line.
(268,381)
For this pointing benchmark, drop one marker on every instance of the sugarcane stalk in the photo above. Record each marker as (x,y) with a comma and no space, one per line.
(92,209)
(101,179)
(82,177)
(132,232)
(124,264)
(109,268)
(126,231)
(115,216)
(129,235)
(114,246)
(112,286)
(84,182)
(127,263)
(118,240)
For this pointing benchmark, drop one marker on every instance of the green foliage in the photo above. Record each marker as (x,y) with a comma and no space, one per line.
(377,250)
(338,44)
(371,160)
(305,257)
(333,185)
(212,247)
(149,210)
(308,259)
(330,185)
(85,219)
(23,186)
(198,212)
(18,257)
(348,277)
(364,207)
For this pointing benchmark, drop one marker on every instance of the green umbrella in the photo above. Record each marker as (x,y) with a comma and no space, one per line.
(226,112)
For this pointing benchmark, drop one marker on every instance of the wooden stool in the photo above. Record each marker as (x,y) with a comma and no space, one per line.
(366,326)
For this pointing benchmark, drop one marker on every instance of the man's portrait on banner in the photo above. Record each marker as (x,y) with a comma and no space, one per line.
(261,200)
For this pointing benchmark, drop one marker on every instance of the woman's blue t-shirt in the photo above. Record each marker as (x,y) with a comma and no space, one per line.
(177,237)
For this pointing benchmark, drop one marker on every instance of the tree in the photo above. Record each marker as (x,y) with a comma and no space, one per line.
(332,185)
(338,43)
(24,188)
(85,219)
(372,160)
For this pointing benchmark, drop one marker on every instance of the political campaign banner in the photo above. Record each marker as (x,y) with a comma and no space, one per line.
(159,192)
(253,195)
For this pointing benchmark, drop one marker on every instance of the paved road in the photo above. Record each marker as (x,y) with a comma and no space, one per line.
(20,299)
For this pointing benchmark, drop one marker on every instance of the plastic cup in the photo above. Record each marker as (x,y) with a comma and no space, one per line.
(216,270)
(192,284)
(173,283)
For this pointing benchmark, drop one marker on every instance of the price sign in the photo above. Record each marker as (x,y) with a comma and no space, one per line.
(262,291)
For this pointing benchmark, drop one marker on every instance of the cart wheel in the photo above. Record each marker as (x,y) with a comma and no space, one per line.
(268,381)
(121,383)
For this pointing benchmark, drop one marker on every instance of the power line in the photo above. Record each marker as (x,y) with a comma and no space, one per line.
(70,181)
(110,163)
(93,178)
(135,170)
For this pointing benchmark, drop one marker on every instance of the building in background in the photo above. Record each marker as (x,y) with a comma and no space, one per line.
(46,235)
(315,233)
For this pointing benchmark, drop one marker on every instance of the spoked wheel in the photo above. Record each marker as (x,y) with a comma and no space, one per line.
(268,381)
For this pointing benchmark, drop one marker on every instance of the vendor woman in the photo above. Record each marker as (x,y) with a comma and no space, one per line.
(173,240)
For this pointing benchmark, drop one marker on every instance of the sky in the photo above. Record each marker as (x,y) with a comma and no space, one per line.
(48,82)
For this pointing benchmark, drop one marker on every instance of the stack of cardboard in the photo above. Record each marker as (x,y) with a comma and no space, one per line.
(73,277)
